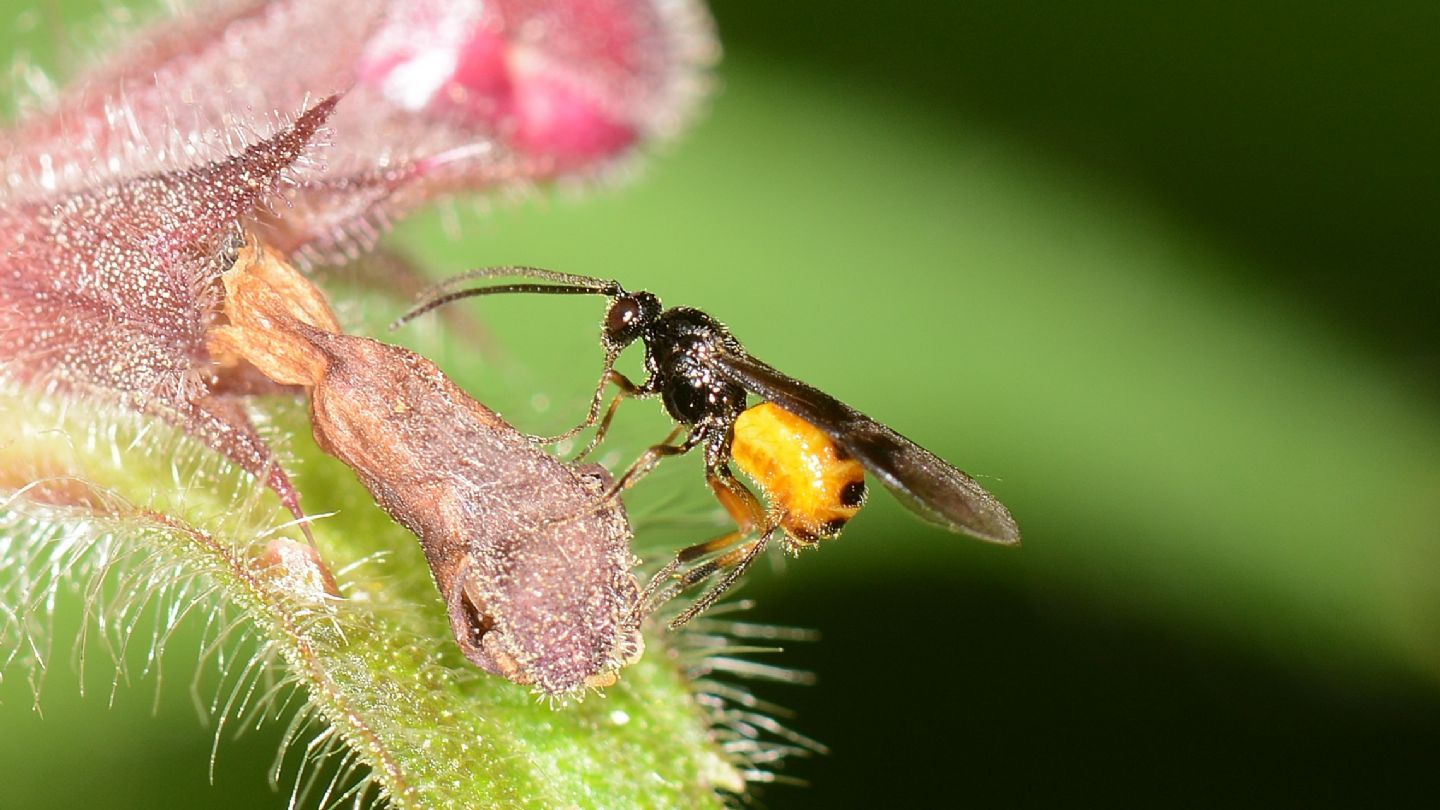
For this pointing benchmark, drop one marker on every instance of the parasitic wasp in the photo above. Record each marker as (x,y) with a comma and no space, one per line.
(804,449)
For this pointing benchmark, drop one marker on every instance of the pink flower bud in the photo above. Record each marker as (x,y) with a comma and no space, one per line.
(440,96)
(121,200)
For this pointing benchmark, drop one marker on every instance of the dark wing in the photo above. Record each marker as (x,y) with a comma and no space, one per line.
(924,482)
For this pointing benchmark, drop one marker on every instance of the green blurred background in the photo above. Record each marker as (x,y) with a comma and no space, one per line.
(1163,277)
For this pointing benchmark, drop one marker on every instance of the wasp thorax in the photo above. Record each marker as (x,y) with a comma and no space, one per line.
(628,315)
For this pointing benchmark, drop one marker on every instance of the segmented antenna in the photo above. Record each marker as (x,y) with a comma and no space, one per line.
(567,284)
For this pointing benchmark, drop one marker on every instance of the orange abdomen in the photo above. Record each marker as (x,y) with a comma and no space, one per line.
(811,482)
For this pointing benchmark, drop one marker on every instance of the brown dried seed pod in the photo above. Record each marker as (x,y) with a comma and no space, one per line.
(535,572)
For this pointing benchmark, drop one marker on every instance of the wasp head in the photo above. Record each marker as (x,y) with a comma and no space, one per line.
(628,316)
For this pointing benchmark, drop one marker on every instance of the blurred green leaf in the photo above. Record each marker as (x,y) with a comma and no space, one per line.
(1192,446)
(1169,433)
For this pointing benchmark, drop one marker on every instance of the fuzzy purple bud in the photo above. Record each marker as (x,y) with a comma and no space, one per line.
(440,96)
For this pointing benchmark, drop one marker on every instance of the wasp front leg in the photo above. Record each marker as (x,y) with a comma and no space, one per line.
(626,387)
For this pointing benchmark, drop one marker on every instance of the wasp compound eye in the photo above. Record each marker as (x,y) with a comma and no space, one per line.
(628,315)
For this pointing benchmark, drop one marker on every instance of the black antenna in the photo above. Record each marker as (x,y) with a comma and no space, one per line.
(599,285)
(569,284)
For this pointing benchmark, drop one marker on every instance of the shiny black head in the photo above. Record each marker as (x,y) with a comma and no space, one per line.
(628,316)
(679,343)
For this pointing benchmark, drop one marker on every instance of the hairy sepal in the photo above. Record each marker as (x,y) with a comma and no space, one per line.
(126,513)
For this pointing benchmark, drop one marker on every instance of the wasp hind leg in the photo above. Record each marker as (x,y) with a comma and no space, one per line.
(749,515)
(737,561)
